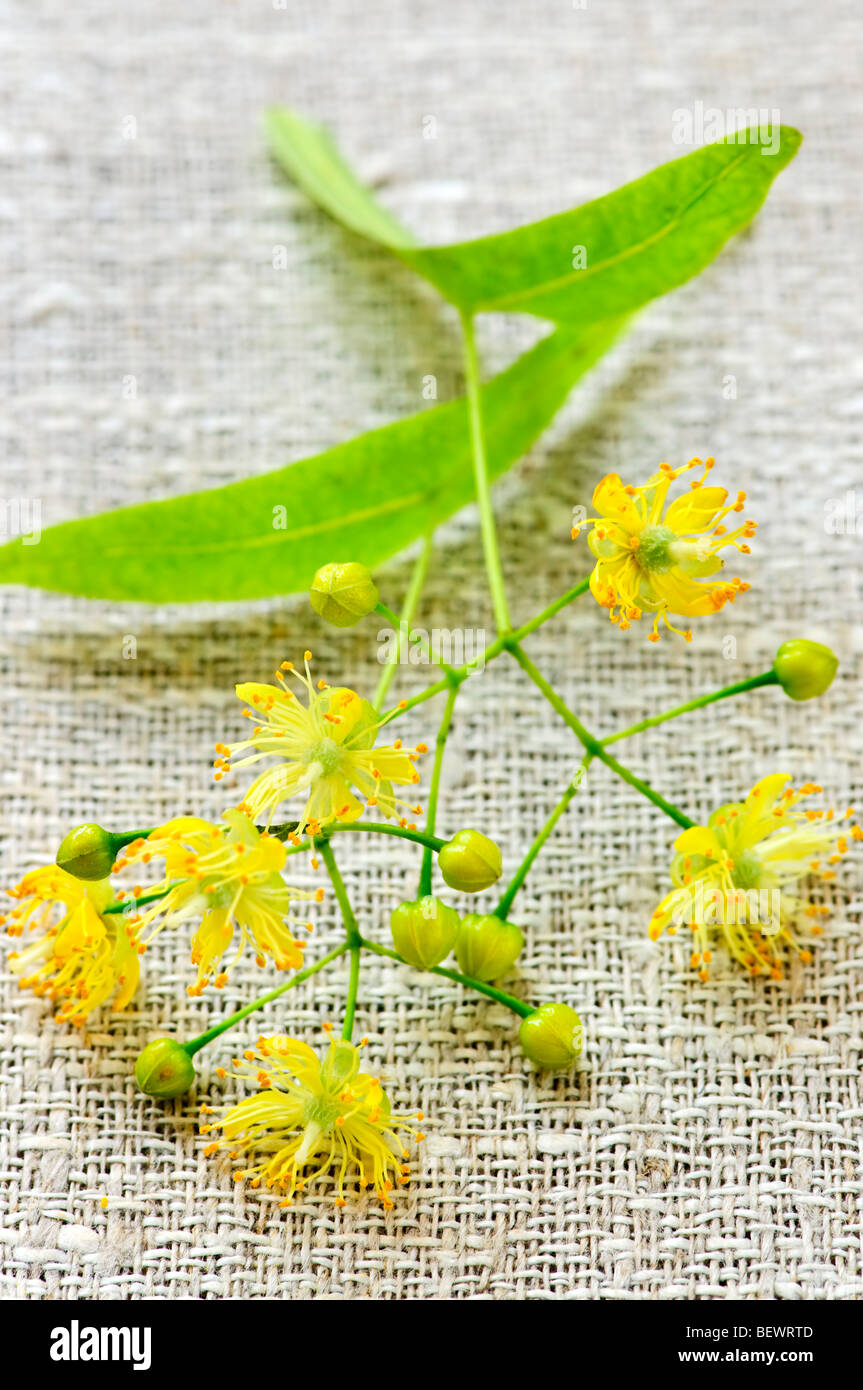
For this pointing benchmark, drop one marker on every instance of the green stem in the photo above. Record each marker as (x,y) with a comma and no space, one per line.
(543,616)
(521,872)
(768,678)
(352,934)
(419,837)
(480,472)
(491,991)
(500,644)
(592,744)
(197,1043)
(372,827)
(434,790)
(352,930)
(351,1000)
(132,904)
(409,607)
(120,838)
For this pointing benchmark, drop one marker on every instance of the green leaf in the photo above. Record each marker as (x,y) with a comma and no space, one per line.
(363,500)
(308,154)
(638,243)
(602,260)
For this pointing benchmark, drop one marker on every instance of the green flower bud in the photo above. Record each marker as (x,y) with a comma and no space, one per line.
(88,851)
(552,1035)
(486,947)
(804,669)
(164,1069)
(424,932)
(342,594)
(470,862)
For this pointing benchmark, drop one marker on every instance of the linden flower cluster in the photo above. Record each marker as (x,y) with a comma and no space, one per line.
(738,879)
(228,878)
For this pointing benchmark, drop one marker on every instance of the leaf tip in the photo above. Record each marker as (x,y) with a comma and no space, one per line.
(284,126)
(790,140)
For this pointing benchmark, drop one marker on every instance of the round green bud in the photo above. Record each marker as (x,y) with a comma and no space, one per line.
(88,851)
(343,594)
(804,669)
(470,862)
(424,932)
(552,1036)
(486,947)
(164,1069)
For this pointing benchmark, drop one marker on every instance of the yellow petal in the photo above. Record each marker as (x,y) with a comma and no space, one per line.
(255,694)
(683,595)
(696,510)
(765,793)
(332,799)
(611,500)
(697,839)
(609,546)
(393,765)
(180,825)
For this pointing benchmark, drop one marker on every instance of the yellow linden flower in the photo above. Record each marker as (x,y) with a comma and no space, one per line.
(732,876)
(661,564)
(230,877)
(326,748)
(82,957)
(315,1116)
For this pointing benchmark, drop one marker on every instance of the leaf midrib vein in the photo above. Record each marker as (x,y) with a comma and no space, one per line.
(549,286)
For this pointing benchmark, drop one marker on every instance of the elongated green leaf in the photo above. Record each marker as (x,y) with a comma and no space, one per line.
(604,259)
(308,154)
(363,500)
(613,255)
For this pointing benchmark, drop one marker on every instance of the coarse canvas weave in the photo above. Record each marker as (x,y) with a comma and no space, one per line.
(709,1143)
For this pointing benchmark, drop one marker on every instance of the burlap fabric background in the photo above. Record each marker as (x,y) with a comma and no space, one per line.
(709,1144)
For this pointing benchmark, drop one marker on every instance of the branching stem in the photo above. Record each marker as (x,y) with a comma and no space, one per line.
(592,744)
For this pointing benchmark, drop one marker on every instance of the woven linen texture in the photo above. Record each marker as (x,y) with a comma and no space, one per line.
(709,1144)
